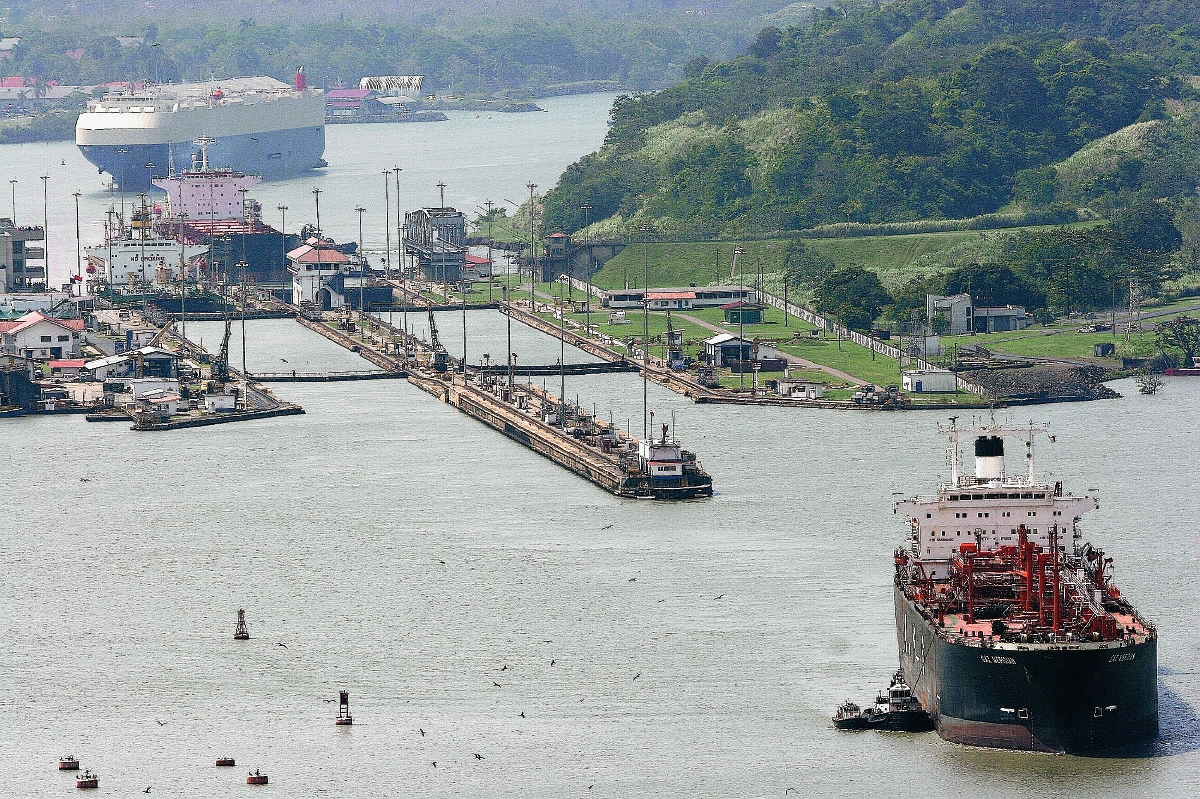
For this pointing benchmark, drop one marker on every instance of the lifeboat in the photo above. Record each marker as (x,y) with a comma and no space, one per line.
(68,763)
(256,778)
(225,761)
(87,780)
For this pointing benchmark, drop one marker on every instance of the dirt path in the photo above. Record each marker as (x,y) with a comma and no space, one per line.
(791,359)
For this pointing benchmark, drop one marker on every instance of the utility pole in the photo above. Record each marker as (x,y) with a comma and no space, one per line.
(78,250)
(532,243)
(387,221)
(45,232)
(646,335)
(488,204)
(362,265)
(14,201)
(587,278)
(316,193)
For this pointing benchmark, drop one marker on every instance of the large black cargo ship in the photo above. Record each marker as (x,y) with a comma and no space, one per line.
(1010,629)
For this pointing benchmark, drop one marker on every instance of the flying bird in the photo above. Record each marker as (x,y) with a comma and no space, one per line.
(504,667)
(435,764)
(85,479)
(639,674)
(606,527)
(633,579)
(283,645)
(551,661)
(161,723)
(521,714)
(422,731)
(478,756)
(496,684)
(718,597)
(147,789)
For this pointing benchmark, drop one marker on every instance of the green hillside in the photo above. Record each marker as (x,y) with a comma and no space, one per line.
(918,109)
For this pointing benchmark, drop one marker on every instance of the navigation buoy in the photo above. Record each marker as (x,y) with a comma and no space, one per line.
(256,778)
(87,780)
(241,632)
(68,763)
(225,761)
(344,719)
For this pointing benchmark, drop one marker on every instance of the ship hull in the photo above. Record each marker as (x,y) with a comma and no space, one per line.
(1065,700)
(271,154)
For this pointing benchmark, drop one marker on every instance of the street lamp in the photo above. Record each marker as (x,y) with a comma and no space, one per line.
(587,244)
(532,243)
(14,201)
(316,193)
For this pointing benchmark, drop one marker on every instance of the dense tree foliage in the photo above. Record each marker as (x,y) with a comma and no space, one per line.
(480,48)
(908,110)
(852,295)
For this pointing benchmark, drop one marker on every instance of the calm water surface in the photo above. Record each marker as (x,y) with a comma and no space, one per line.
(402,551)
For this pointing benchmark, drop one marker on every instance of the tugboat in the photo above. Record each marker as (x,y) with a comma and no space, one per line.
(662,469)
(849,716)
(256,778)
(87,780)
(68,763)
(897,710)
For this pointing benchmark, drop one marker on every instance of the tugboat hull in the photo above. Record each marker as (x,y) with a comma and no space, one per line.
(1073,698)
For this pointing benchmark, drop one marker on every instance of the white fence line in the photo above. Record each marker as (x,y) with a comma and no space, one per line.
(872,344)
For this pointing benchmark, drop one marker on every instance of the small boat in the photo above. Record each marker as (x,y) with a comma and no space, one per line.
(87,780)
(256,778)
(68,763)
(895,710)
(225,761)
(849,716)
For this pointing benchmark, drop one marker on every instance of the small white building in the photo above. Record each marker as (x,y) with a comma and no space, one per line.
(220,403)
(42,337)
(930,381)
(160,402)
(799,389)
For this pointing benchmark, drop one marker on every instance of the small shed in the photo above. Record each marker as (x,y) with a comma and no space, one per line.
(218,403)
(799,389)
(723,348)
(743,313)
(69,368)
(930,381)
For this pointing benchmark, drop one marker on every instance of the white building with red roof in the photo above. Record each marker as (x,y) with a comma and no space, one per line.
(42,337)
(310,265)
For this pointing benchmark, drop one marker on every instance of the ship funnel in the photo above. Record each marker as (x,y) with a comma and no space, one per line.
(301,79)
(989,458)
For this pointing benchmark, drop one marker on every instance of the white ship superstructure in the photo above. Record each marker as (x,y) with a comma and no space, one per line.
(987,508)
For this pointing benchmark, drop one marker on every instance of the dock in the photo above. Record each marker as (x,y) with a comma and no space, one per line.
(326,377)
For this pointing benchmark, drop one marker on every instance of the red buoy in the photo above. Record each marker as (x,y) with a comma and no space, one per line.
(87,780)
(256,778)
(68,763)
(225,761)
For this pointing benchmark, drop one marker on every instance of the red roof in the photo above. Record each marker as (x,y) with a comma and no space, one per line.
(33,317)
(69,363)
(477,259)
(739,304)
(308,254)
(557,236)
(347,94)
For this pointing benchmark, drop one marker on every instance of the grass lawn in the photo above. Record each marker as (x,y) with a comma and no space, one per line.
(850,358)
(894,258)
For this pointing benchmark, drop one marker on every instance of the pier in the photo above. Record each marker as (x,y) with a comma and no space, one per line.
(326,377)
